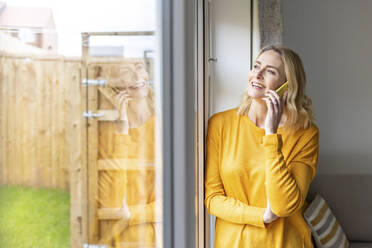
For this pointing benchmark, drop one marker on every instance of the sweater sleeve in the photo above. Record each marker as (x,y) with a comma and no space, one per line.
(287,185)
(145,213)
(216,201)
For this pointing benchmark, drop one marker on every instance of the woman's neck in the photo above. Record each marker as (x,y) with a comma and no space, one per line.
(139,111)
(257,113)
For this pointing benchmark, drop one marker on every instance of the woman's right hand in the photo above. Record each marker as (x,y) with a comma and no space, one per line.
(122,100)
(269,216)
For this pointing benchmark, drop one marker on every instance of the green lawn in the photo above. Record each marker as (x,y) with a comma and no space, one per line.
(37,218)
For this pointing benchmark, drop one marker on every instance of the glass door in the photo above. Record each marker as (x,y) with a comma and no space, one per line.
(122,175)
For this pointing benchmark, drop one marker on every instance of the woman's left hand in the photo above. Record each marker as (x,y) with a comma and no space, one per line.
(269,216)
(275,109)
(125,209)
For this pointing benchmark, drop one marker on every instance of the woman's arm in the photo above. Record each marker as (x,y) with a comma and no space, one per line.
(287,185)
(216,201)
(145,213)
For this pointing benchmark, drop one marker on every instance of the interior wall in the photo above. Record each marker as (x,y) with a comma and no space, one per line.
(230,44)
(334,40)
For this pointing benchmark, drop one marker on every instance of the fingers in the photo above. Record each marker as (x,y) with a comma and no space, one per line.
(123,97)
(270,104)
(274,97)
(277,103)
(272,107)
(269,216)
(274,111)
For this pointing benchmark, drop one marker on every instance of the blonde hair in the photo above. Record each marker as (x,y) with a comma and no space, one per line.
(133,72)
(298,109)
(128,71)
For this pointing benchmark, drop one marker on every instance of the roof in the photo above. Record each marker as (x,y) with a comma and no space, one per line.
(26,17)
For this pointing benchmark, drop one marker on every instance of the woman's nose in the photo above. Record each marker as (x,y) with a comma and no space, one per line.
(259,74)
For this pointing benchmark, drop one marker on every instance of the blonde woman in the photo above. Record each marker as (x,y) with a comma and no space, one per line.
(130,141)
(261,158)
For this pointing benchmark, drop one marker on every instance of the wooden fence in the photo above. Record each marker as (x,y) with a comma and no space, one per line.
(43,135)
(40,115)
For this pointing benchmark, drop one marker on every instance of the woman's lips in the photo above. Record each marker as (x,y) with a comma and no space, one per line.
(257,86)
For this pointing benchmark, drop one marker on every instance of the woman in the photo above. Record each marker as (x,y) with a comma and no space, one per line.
(261,158)
(130,144)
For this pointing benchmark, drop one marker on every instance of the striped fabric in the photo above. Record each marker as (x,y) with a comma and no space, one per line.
(326,230)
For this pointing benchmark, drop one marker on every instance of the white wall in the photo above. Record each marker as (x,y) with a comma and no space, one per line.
(334,39)
(231,46)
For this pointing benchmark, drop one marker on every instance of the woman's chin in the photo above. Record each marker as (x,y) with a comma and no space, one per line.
(255,95)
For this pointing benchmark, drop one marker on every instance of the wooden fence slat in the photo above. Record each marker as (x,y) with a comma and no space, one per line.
(24,85)
(84,157)
(12,124)
(92,162)
(64,124)
(2,123)
(124,164)
(44,170)
(75,136)
(54,162)
(37,170)
(48,124)
(32,128)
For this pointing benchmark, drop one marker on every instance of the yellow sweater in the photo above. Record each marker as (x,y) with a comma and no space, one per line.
(136,182)
(245,167)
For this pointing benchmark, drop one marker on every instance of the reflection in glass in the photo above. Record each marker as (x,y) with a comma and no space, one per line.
(126,149)
(126,201)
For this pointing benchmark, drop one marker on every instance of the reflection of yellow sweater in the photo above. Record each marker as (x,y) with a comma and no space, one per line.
(244,168)
(137,183)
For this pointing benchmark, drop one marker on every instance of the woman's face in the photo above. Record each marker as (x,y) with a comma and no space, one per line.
(139,89)
(267,74)
(134,79)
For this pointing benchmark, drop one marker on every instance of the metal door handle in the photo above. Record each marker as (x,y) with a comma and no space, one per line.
(90,114)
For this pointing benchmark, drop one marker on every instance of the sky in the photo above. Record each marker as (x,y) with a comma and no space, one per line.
(75,16)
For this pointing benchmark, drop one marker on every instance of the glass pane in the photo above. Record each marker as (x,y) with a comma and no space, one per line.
(80,150)
(122,168)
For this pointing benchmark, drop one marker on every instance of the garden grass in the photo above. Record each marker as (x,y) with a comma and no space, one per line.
(34,218)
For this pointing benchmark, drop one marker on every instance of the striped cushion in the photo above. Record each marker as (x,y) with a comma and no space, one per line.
(326,230)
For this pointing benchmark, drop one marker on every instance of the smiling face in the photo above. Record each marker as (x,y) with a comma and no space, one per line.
(267,74)
(134,79)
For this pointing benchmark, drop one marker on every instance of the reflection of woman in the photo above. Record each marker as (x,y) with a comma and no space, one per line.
(261,158)
(134,147)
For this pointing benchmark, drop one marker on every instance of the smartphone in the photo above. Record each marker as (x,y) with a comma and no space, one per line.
(282,89)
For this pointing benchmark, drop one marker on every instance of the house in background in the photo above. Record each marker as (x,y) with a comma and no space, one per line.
(33,26)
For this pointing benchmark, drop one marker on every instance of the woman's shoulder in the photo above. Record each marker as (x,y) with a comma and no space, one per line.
(223,117)
(304,135)
(311,130)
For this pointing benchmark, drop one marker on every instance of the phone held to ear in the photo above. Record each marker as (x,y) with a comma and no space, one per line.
(280,91)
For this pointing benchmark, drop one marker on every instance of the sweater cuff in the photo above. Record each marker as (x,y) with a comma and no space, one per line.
(273,144)
(259,212)
(135,214)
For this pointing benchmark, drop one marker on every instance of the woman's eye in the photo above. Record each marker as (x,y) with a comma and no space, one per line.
(255,66)
(271,72)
